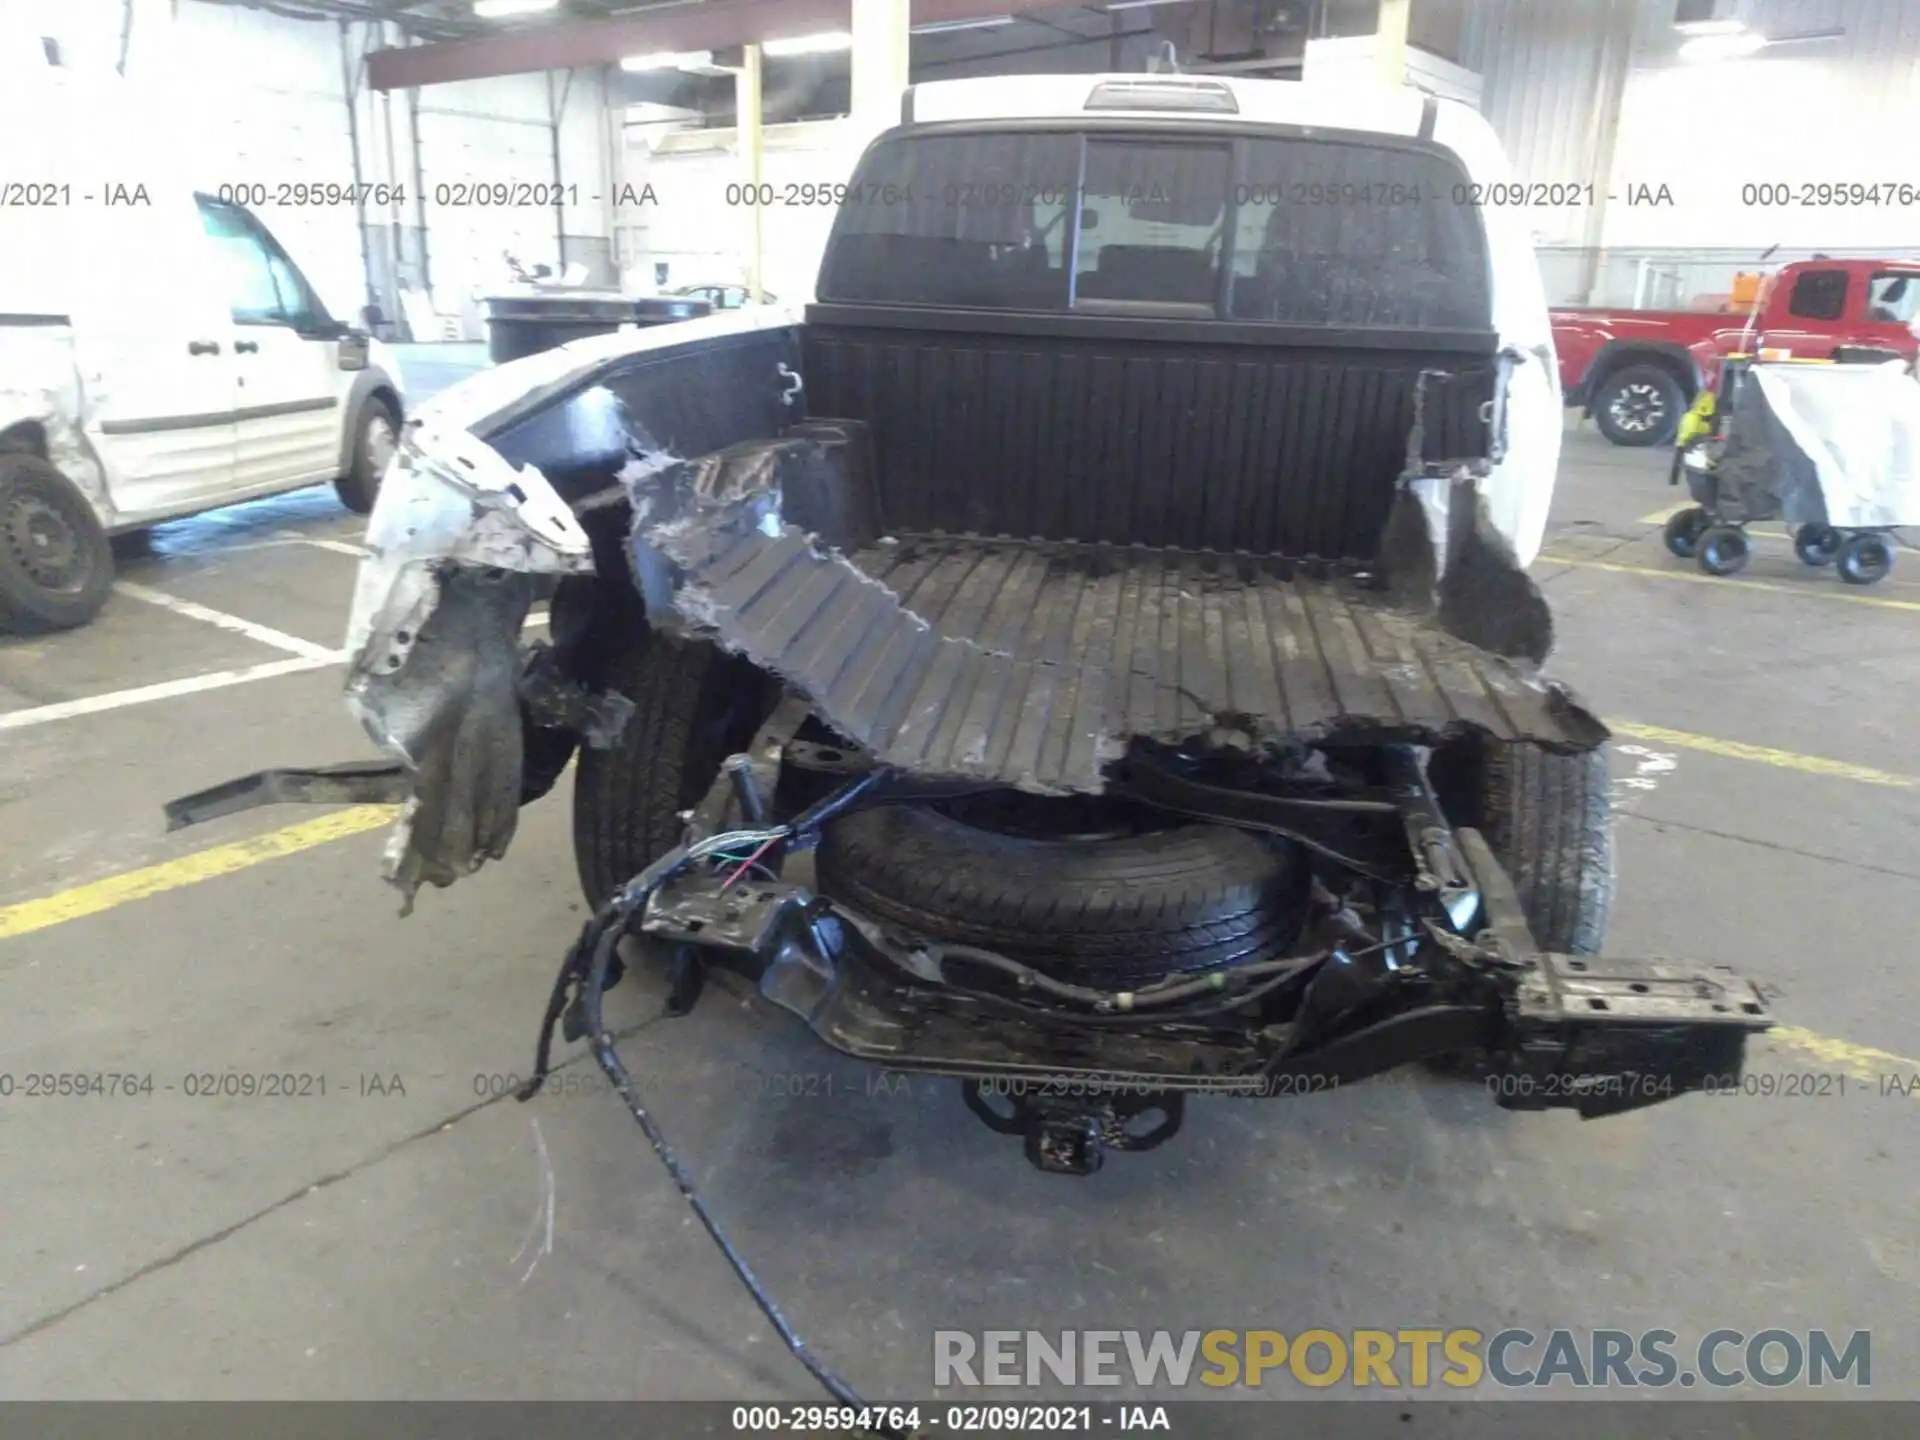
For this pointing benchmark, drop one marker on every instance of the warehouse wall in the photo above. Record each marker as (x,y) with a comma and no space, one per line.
(260,100)
(699,229)
(1550,73)
(1581,90)
(1839,109)
(482,139)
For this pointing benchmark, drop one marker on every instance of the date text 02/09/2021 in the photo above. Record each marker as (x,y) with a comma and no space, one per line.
(915,1420)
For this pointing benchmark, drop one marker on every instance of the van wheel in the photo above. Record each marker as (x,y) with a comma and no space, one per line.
(55,563)
(376,436)
(1639,405)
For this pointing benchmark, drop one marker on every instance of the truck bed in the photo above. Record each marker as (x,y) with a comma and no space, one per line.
(1034,663)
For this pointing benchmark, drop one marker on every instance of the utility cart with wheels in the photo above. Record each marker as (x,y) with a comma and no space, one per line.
(1830,450)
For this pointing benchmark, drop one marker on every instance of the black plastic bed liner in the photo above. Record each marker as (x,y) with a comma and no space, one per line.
(1036,663)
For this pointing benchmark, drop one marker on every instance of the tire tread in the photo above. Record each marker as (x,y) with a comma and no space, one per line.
(627,797)
(1106,912)
(1549,820)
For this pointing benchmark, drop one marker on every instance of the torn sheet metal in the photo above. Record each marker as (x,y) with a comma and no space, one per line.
(1444,558)
(451,500)
(453,716)
(441,598)
(1035,664)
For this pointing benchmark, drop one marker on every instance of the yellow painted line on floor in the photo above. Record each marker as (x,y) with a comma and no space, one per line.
(1766,755)
(1833,591)
(1660,517)
(29,915)
(1861,1062)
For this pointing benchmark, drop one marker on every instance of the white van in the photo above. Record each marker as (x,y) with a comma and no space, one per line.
(160,353)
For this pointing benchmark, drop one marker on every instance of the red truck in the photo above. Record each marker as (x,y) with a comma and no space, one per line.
(1636,371)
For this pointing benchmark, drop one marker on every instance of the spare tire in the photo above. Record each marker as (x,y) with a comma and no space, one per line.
(1110,912)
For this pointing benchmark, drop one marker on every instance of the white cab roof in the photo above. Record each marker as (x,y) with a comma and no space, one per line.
(1382,109)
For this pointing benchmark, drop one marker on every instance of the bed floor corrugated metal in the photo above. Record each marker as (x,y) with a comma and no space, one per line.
(1034,663)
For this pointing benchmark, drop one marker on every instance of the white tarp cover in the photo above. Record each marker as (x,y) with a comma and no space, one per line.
(1860,427)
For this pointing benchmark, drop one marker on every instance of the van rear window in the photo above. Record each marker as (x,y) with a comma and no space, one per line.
(1285,229)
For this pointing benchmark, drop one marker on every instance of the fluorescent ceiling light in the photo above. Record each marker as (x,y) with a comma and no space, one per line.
(1142,4)
(1722,47)
(1709,27)
(943,27)
(823,44)
(500,9)
(668,60)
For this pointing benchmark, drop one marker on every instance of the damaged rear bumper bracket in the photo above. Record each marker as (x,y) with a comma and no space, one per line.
(355,783)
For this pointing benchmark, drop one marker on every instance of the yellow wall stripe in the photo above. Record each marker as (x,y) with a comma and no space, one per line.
(30,915)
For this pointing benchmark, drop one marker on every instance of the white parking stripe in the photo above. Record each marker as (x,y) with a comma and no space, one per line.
(165,690)
(319,659)
(338,547)
(265,634)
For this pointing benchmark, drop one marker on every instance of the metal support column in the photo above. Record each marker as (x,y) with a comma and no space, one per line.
(746,104)
(396,225)
(880,52)
(1390,40)
(351,66)
(1610,88)
(419,194)
(556,112)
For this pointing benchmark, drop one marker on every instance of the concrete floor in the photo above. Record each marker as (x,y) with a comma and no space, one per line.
(440,1244)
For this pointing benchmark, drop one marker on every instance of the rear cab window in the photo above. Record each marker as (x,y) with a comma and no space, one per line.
(1250,225)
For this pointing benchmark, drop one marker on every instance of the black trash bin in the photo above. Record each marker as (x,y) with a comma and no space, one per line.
(526,324)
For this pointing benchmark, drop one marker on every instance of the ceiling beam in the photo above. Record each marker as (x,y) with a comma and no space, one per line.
(712,25)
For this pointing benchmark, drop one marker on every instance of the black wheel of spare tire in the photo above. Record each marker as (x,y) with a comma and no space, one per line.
(1111,912)
(56,564)
(693,707)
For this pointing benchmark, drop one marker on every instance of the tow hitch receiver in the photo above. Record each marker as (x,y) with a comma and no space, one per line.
(1069,1134)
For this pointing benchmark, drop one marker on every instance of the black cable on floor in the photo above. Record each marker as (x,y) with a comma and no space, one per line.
(584,972)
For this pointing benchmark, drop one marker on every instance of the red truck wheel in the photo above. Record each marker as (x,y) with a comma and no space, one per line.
(1639,405)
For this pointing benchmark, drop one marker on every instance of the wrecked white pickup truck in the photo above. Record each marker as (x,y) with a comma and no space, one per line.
(1115,580)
